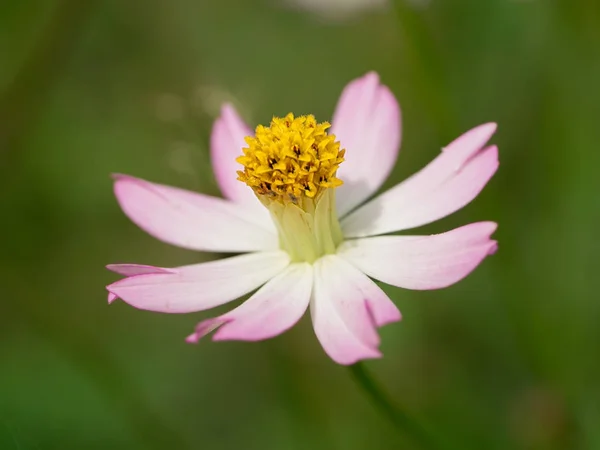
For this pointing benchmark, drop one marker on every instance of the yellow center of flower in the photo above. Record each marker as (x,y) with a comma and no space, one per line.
(292,159)
(290,165)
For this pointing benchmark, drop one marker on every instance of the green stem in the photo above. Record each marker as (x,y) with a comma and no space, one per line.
(398,418)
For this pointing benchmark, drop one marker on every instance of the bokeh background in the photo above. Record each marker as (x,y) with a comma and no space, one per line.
(507,359)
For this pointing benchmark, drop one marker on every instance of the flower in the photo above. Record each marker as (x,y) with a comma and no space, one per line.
(293,195)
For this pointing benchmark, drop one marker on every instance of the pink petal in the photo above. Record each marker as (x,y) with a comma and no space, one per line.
(226,143)
(199,286)
(346,309)
(273,309)
(192,220)
(367,124)
(444,186)
(130,270)
(422,262)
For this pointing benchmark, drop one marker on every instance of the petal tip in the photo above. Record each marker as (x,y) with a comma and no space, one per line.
(229,115)
(205,327)
(492,149)
(473,140)
(489,126)
(120,176)
(227,108)
(122,182)
(374,354)
(485,129)
(490,227)
(111,297)
(390,319)
(193,338)
(371,76)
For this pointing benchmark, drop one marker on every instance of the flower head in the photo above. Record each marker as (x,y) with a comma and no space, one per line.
(294,194)
(292,159)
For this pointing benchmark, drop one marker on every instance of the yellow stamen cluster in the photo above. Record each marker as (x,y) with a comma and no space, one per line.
(292,158)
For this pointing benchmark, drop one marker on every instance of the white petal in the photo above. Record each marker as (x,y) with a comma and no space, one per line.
(367,124)
(444,186)
(346,309)
(422,262)
(226,144)
(199,286)
(273,309)
(192,220)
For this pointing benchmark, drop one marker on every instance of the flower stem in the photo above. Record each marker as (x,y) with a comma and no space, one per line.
(398,418)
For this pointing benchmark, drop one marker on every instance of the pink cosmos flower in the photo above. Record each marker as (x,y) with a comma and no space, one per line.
(294,209)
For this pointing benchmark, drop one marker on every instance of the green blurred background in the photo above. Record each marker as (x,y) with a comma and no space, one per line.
(507,359)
